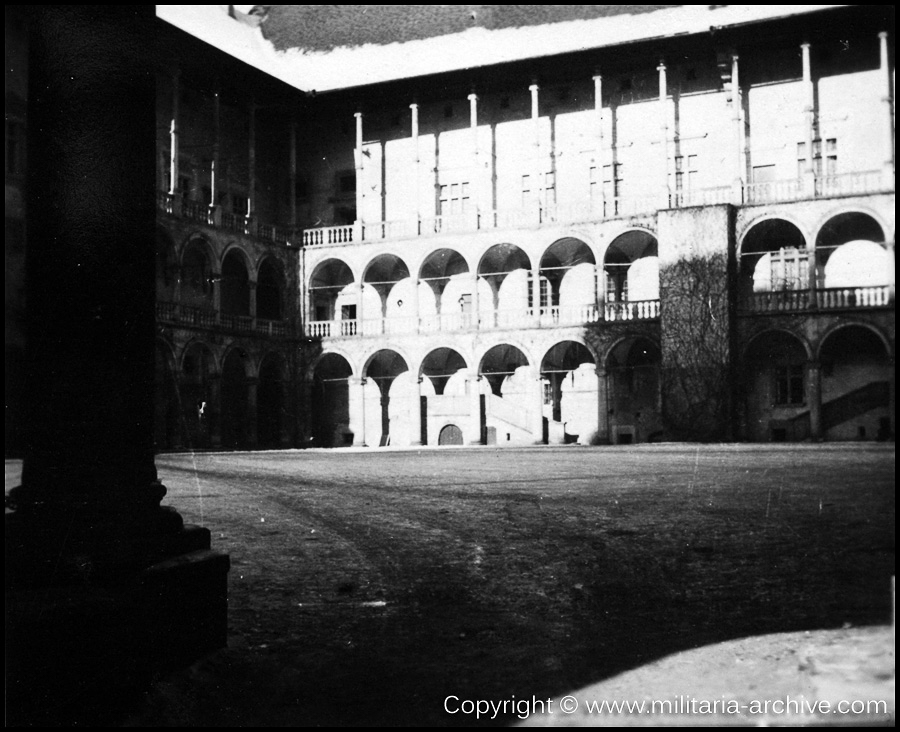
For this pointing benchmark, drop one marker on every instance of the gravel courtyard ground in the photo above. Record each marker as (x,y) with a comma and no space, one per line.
(367,587)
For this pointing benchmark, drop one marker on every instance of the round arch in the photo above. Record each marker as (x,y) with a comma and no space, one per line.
(197,273)
(851,253)
(330,413)
(235,282)
(441,366)
(631,267)
(773,259)
(569,372)
(199,409)
(272,402)
(270,288)
(568,266)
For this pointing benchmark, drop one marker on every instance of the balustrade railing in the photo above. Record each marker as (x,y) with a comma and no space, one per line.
(777,301)
(181,314)
(830,298)
(631,310)
(853,297)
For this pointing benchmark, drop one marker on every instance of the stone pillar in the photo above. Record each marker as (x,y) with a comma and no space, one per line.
(537,166)
(598,204)
(473,386)
(173,136)
(214,171)
(476,155)
(252,412)
(603,436)
(414,109)
(357,410)
(251,286)
(888,114)
(215,410)
(475,301)
(809,112)
(415,413)
(664,133)
(103,584)
(251,163)
(536,291)
(737,196)
(292,172)
(536,399)
(360,193)
(814,398)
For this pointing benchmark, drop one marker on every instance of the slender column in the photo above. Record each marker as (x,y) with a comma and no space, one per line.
(414,305)
(415,413)
(251,163)
(537,173)
(809,170)
(173,135)
(357,410)
(476,156)
(251,285)
(736,119)
(414,108)
(602,406)
(252,413)
(292,162)
(537,409)
(597,204)
(214,171)
(664,130)
(360,314)
(536,290)
(814,398)
(214,410)
(360,188)
(475,300)
(473,384)
(888,113)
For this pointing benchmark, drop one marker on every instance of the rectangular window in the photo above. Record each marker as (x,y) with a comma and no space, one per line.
(789,385)
(824,158)
(789,269)
(454,198)
(239,205)
(531,194)
(612,181)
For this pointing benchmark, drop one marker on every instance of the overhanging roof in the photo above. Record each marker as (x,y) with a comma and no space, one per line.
(369,58)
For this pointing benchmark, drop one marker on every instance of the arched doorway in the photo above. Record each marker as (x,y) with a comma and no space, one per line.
(776,382)
(450,435)
(331,402)
(199,407)
(271,403)
(235,401)
(569,376)
(857,377)
(235,298)
(390,424)
(512,408)
(631,268)
(269,289)
(444,393)
(633,389)
(774,267)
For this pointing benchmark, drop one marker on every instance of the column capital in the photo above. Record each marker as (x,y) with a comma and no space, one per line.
(533,87)
(662,65)
(597,76)
(358,115)
(473,97)
(414,106)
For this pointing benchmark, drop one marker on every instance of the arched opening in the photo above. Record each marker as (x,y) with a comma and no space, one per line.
(568,282)
(388,276)
(852,263)
(512,405)
(450,435)
(235,401)
(569,377)
(856,386)
(774,267)
(199,408)
(507,294)
(166,432)
(443,391)
(776,383)
(633,391)
(332,296)
(269,289)
(446,299)
(390,423)
(271,403)
(331,402)
(166,267)
(631,269)
(235,285)
(196,275)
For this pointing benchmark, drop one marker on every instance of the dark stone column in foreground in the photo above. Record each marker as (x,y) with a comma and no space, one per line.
(105,587)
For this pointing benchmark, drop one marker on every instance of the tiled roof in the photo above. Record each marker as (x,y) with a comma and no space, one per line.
(324,27)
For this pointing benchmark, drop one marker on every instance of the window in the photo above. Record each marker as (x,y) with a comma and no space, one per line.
(531,195)
(612,184)
(548,392)
(822,164)
(789,269)
(789,385)
(454,198)
(685,172)
(239,205)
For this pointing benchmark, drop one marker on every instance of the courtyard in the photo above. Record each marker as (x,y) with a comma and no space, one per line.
(368,586)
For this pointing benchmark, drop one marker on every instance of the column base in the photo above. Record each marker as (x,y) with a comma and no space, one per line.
(83,653)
